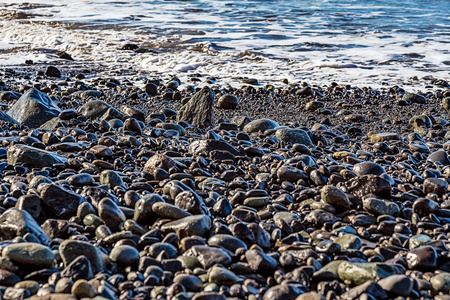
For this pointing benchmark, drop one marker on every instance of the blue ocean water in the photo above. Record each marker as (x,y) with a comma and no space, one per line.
(356,38)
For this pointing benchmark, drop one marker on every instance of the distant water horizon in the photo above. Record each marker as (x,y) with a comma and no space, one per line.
(358,42)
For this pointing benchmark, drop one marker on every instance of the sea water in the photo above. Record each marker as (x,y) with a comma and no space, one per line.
(357,42)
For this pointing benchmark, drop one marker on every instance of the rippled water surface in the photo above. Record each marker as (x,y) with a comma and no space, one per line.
(347,40)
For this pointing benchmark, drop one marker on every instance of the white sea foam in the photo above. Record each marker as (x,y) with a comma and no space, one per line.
(343,41)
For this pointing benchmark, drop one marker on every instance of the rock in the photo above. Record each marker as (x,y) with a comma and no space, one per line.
(52,71)
(102,151)
(291,174)
(282,291)
(209,256)
(111,214)
(435,186)
(31,203)
(384,137)
(419,240)
(439,156)
(33,109)
(226,241)
(15,222)
(204,147)
(369,184)
(80,268)
(228,101)
(369,288)
(414,98)
(169,250)
(441,282)
(169,211)
(188,226)
(29,255)
(349,241)
(6,118)
(83,289)
(318,217)
(260,262)
(424,206)
(421,121)
(310,296)
(422,258)
(151,89)
(397,285)
(190,202)
(59,202)
(190,282)
(368,168)
(199,111)
(260,125)
(96,108)
(328,272)
(33,157)
(70,250)
(8,278)
(143,212)
(294,136)
(334,196)
(81,179)
(359,273)
(111,178)
(381,207)
(222,276)
(125,256)
(314,105)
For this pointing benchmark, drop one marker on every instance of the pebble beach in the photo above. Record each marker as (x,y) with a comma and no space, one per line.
(135,171)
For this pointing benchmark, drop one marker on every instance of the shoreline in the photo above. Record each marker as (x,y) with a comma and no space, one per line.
(130,200)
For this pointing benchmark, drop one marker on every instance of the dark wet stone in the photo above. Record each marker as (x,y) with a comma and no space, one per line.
(319,217)
(111,214)
(70,250)
(81,179)
(367,168)
(349,241)
(205,147)
(397,285)
(6,118)
(334,196)
(439,156)
(381,207)
(424,206)
(226,241)
(80,268)
(228,101)
(158,161)
(291,174)
(260,262)
(96,108)
(190,282)
(422,258)
(33,109)
(34,157)
(15,222)
(294,136)
(208,256)
(59,202)
(188,226)
(190,202)
(283,291)
(371,288)
(199,111)
(8,278)
(125,256)
(52,71)
(435,186)
(169,211)
(31,203)
(143,213)
(369,184)
(415,98)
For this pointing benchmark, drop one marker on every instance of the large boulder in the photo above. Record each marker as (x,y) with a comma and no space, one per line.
(34,109)
(199,111)
(15,222)
(34,157)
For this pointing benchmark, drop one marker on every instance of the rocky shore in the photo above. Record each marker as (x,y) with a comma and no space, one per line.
(117,185)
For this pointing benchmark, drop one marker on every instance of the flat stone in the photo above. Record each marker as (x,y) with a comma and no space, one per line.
(359,273)
(59,202)
(260,125)
(381,207)
(384,137)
